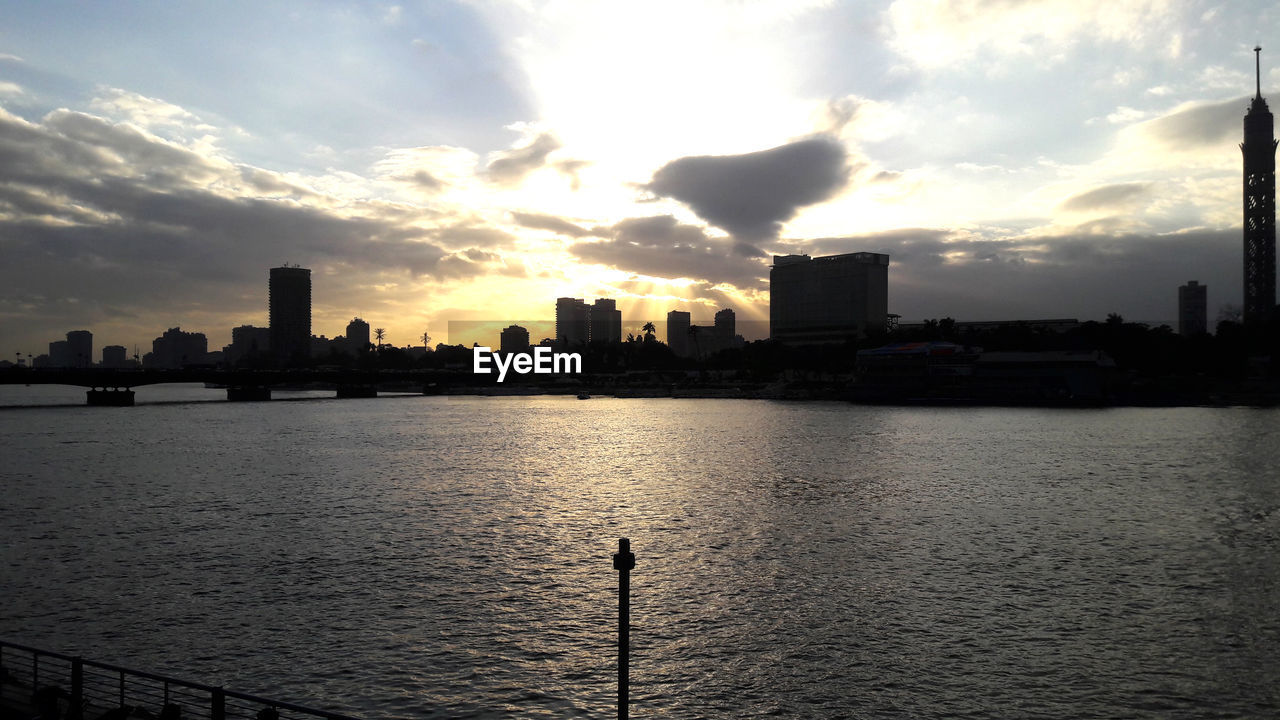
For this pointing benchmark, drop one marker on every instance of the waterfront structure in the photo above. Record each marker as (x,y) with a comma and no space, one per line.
(678,332)
(289,301)
(247,342)
(176,349)
(114,357)
(60,354)
(606,321)
(573,326)
(1259,150)
(726,324)
(80,348)
(513,339)
(357,336)
(1193,308)
(828,299)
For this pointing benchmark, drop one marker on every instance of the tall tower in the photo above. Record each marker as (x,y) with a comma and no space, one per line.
(1259,149)
(289,303)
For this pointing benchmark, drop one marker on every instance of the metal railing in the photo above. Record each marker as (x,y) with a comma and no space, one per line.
(54,685)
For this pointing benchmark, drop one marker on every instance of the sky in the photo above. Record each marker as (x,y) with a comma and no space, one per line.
(473,161)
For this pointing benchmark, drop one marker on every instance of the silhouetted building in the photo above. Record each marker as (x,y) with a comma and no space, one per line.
(606,321)
(514,339)
(1259,149)
(115,357)
(60,354)
(247,343)
(357,337)
(289,298)
(80,348)
(726,323)
(678,332)
(1193,308)
(176,349)
(828,299)
(572,322)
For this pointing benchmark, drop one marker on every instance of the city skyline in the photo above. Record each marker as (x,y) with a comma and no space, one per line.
(1063,159)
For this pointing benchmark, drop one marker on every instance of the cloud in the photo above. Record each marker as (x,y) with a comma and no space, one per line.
(556,225)
(976,276)
(752,195)
(660,246)
(1107,196)
(136,225)
(11,89)
(952,33)
(1196,125)
(512,166)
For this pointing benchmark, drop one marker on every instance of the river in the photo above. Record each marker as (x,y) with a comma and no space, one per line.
(450,557)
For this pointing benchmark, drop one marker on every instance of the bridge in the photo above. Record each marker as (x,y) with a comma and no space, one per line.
(108,387)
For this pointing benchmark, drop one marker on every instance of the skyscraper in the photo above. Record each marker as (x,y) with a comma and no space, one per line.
(678,332)
(80,348)
(606,321)
(289,299)
(1259,149)
(827,299)
(357,335)
(513,339)
(1193,308)
(572,322)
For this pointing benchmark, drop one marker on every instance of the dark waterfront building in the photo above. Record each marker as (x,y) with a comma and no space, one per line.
(828,299)
(1259,149)
(1193,308)
(60,354)
(357,336)
(176,349)
(573,326)
(678,332)
(115,357)
(80,348)
(514,339)
(606,320)
(289,300)
(247,342)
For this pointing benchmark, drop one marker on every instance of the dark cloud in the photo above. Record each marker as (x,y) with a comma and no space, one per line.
(662,247)
(99,222)
(1105,196)
(751,195)
(424,181)
(570,169)
(1199,125)
(937,273)
(557,225)
(513,165)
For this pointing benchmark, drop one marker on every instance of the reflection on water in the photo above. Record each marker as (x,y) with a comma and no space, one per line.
(450,557)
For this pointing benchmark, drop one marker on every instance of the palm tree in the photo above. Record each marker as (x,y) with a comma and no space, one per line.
(426,340)
(649,331)
(379,334)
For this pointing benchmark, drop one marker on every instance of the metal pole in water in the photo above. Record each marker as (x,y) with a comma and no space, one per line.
(623,561)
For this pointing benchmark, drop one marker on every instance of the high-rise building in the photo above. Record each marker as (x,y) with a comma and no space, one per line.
(1259,150)
(606,321)
(289,299)
(80,348)
(678,332)
(1193,308)
(176,349)
(114,357)
(357,335)
(726,325)
(572,322)
(828,299)
(247,343)
(60,354)
(514,339)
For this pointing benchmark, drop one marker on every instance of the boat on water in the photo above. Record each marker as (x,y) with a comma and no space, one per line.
(584,396)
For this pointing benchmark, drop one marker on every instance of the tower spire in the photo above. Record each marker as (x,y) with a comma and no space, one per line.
(1257,66)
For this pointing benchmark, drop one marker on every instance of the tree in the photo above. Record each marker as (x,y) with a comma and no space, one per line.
(649,331)
(426,340)
(379,334)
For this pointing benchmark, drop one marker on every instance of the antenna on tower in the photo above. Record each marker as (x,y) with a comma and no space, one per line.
(1257,64)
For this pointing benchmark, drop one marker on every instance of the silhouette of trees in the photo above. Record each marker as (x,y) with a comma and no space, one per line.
(650,331)
(379,334)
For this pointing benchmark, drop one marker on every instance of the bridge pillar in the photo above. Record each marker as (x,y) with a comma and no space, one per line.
(109,397)
(247,393)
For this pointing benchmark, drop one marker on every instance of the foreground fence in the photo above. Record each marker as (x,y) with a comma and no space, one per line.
(53,686)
